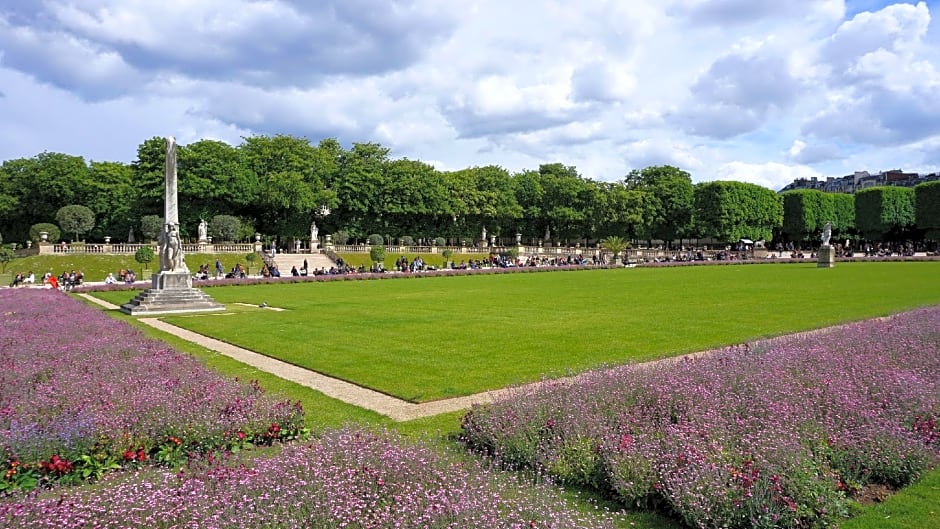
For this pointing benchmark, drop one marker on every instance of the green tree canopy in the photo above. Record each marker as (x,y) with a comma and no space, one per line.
(884,213)
(53,232)
(151,226)
(75,219)
(927,209)
(730,211)
(669,206)
(225,227)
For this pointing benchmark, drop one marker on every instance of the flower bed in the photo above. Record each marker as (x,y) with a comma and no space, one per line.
(346,479)
(776,435)
(81,393)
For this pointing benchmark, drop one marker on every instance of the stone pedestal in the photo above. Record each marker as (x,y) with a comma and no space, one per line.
(827,256)
(170,293)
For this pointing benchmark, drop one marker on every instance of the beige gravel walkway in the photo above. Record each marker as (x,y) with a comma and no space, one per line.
(396,409)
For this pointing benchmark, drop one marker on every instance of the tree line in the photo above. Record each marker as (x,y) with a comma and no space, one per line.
(277,185)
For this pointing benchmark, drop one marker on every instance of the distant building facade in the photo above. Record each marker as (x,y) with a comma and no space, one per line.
(861,180)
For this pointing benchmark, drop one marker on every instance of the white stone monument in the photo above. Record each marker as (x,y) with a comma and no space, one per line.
(827,254)
(171,289)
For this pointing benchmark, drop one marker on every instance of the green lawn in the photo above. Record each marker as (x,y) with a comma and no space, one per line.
(440,337)
(546,323)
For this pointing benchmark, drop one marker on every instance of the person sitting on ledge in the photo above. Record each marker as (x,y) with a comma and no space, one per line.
(110,279)
(294,272)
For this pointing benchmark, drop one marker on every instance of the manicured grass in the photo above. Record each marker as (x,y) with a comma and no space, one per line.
(914,507)
(96,267)
(431,259)
(440,337)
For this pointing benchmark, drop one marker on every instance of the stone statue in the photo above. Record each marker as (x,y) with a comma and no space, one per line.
(826,234)
(173,250)
(314,232)
(484,233)
(203,230)
(130,236)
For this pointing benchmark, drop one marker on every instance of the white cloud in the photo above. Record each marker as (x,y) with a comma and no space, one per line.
(722,88)
(774,175)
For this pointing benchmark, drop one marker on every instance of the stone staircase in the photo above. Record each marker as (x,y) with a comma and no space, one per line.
(314,260)
(172,293)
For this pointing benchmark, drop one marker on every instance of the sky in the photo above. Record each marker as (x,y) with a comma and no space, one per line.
(762,91)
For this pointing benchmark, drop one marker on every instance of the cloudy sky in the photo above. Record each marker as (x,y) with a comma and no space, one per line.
(755,90)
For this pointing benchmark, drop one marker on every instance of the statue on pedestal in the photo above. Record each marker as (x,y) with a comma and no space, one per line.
(826,234)
(314,231)
(203,230)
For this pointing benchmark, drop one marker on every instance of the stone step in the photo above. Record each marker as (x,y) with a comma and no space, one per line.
(315,261)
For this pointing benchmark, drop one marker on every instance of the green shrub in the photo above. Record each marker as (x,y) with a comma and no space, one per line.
(375,240)
(377,254)
(407,240)
(440,241)
(52,229)
(144,255)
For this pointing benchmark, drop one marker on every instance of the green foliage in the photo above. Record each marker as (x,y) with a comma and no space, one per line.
(53,232)
(226,227)
(407,240)
(6,256)
(843,208)
(805,212)
(341,237)
(615,245)
(927,208)
(375,239)
(144,255)
(440,241)
(884,213)
(447,253)
(75,219)
(377,254)
(730,211)
(668,214)
(150,227)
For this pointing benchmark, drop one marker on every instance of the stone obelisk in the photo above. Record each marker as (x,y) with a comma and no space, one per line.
(171,289)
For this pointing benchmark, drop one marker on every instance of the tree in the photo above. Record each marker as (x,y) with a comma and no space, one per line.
(843,209)
(151,226)
(358,188)
(377,254)
(730,211)
(225,227)
(75,219)
(615,245)
(671,197)
(111,195)
(51,230)
(927,209)
(6,256)
(884,213)
(805,212)
(144,255)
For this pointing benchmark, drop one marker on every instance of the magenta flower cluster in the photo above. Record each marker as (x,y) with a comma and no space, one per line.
(778,434)
(347,478)
(82,391)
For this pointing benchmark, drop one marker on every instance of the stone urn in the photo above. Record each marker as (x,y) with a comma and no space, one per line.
(44,236)
(107,239)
